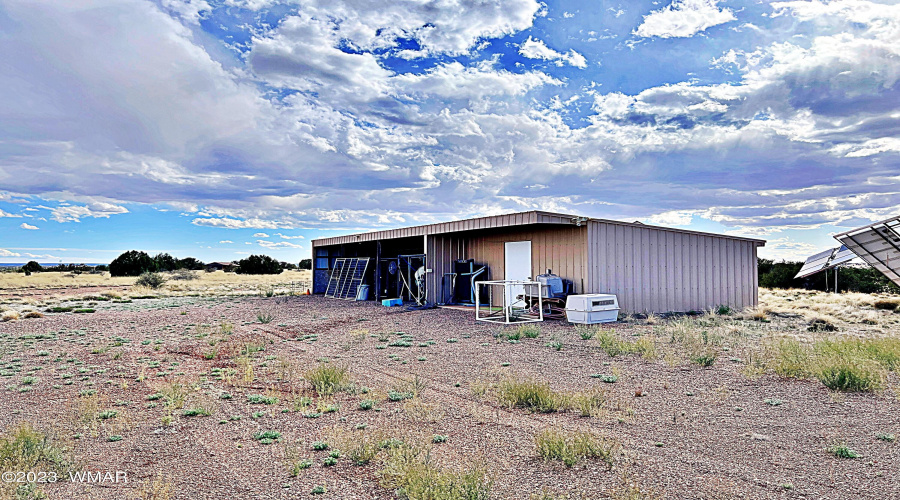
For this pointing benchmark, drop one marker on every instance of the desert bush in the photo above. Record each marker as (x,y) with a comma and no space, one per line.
(410,471)
(258,264)
(157,489)
(704,357)
(585,332)
(570,447)
(531,394)
(132,263)
(841,449)
(887,304)
(24,448)
(587,403)
(265,317)
(150,280)
(32,314)
(821,324)
(174,394)
(849,374)
(32,267)
(183,275)
(360,446)
(327,379)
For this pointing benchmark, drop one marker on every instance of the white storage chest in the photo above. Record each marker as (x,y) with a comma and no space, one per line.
(592,308)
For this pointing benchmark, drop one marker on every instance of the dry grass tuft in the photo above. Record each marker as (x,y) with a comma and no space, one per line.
(9,316)
(411,470)
(326,379)
(531,394)
(24,448)
(843,364)
(158,488)
(570,447)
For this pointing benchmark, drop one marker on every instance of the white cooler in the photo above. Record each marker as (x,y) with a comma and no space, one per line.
(592,308)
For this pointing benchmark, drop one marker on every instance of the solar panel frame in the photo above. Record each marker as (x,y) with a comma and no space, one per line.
(843,254)
(878,245)
(815,263)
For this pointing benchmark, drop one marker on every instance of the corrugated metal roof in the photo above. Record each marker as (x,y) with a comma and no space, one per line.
(495,221)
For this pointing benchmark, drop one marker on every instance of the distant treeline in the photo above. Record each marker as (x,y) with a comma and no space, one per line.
(850,279)
(135,263)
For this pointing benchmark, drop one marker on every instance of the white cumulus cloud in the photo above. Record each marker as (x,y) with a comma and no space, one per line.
(537,49)
(27,226)
(683,18)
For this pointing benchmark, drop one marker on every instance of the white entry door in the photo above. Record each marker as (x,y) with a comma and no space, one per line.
(516,266)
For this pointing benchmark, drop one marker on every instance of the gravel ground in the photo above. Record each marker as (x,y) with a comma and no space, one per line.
(695,432)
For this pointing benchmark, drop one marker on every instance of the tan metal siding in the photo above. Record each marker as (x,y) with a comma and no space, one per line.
(560,248)
(652,269)
(496,221)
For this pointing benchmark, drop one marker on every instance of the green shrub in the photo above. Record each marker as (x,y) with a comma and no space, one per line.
(850,374)
(533,395)
(32,267)
(367,404)
(257,399)
(265,317)
(723,310)
(883,436)
(840,449)
(585,332)
(196,412)
(570,447)
(259,264)
(514,335)
(267,437)
(704,357)
(132,263)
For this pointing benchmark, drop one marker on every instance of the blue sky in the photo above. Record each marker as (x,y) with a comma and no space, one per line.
(216,129)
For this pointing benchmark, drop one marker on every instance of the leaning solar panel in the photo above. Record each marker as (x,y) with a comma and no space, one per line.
(843,254)
(815,263)
(878,244)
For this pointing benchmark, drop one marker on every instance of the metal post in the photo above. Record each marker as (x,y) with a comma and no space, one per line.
(477,302)
(506,306)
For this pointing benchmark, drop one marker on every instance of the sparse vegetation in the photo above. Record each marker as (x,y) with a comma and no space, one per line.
(328,378)
(265,317)
(572,447)
(530,394)
(529,331)
(410,470)
(841,449)
(150,280)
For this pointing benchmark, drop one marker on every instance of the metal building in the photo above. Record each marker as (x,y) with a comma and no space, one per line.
(649,268)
